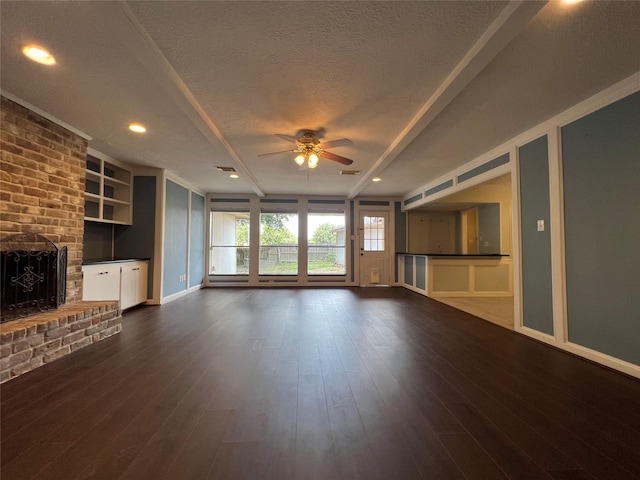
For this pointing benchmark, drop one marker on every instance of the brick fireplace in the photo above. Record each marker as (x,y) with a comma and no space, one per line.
(42,183)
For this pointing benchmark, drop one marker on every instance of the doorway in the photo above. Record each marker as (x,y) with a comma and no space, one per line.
(470,231)
(374,248)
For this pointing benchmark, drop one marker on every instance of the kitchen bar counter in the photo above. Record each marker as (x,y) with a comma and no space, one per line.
(456,255)
(457,275)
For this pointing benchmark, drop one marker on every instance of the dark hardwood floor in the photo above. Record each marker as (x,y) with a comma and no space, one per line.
(377,383)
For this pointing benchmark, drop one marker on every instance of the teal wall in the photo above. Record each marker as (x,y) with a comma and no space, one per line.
(400,231)
(176,218)
(489,228)
(537,302)
(601,187)
(408,269)
(196,241)
(421,272)
(138,240)
(98,241)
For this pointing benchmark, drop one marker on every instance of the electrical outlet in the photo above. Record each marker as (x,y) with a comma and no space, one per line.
(541,225)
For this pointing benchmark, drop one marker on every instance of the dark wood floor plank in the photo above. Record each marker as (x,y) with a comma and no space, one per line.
(14,445)
(517,429)
(471,458)
(585,442)
(250,423)
(331,383)
(81,421)
(315,458)
(195,459)
(162,449)
(570,475)
(513,461)
(336,384)
(235,461)
(123,449)
(354,457)
(30,462)
(278,449)
(390,453)
(414,379)
(421,441)
(74,460)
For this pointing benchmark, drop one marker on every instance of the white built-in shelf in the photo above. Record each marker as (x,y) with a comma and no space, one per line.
(108,192)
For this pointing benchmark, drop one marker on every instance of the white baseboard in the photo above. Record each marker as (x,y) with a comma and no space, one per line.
(177,295)
(589,354)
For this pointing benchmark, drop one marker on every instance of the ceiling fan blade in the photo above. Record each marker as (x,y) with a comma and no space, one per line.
(287,138)
(336,158)
(343,142)
(276,153)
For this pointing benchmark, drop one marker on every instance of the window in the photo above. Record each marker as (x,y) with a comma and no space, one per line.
(278,243)
(326,238)
(229,243)
(373,234)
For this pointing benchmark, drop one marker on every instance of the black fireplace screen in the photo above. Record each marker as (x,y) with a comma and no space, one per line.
(34,275)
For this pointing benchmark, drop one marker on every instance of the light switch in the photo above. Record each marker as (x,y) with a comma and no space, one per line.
(541,225)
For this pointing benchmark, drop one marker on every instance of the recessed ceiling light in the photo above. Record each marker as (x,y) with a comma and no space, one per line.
(571,2)
(376,179)
(136,127)
(38,54)
(233,175)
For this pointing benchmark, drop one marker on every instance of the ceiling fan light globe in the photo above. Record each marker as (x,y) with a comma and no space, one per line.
(299,160)
(313,160)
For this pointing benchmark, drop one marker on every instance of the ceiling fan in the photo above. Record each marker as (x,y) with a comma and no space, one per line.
(309,149)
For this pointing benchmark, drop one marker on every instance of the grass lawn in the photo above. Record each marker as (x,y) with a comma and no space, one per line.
(291,268)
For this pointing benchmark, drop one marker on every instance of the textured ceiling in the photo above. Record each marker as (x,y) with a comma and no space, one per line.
(419,87)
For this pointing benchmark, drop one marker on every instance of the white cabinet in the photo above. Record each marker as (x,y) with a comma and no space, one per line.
(133,287)
(125,281)
(101,282)
(107,196)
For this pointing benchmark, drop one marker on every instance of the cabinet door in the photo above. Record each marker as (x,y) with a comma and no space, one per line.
(128,295)
(141,289)
(134,284)
(101,282)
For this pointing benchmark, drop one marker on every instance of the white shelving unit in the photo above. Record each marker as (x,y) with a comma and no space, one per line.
(108,192)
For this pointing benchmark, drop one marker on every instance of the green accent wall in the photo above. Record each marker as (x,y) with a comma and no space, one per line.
(601,186)
(537,299)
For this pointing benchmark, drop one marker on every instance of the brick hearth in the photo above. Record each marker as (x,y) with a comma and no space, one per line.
(42,180)
(34,341)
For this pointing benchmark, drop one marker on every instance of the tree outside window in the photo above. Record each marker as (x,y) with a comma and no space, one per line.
(278,245)
(326,244)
